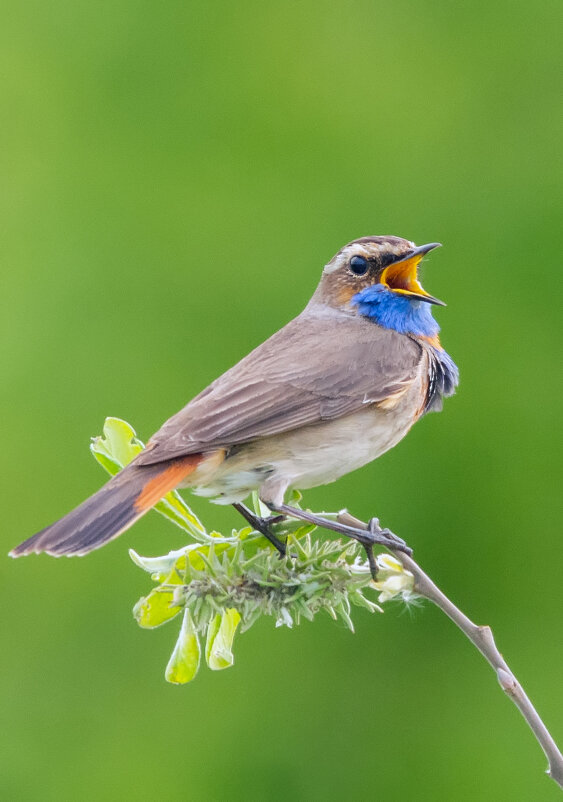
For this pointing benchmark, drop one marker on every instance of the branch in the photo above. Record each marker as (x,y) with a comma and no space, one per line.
(220,582)
(482,639)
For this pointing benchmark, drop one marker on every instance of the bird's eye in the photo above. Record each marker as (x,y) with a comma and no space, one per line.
(359,265)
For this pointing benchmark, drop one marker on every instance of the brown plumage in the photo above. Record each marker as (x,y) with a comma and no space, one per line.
(317,368)
(326,394)
(110,511)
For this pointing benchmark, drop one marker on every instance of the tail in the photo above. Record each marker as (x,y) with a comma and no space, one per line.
(110,511)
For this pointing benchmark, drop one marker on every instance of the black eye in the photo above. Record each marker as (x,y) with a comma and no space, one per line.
(359,265)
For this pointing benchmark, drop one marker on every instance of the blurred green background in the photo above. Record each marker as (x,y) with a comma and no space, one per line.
(174,176)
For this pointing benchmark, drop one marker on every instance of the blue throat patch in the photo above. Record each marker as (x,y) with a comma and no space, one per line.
(393,311)
(409,316)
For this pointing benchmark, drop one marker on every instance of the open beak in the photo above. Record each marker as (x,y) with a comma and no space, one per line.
(402,276)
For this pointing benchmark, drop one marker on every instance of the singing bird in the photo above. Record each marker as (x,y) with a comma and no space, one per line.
(332,390)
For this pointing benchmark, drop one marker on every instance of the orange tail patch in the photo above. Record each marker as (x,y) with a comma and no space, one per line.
(167,480)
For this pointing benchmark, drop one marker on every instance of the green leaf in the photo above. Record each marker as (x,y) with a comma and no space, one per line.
(294,527)
(212,631)
(343,609)
(258,506)
(117,447)
(184,660)
(173,507)
(358,598)
(155,609)
(160,567)
(294,499)
(220,635)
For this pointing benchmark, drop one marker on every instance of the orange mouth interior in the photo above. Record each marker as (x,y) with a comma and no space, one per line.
(402,277)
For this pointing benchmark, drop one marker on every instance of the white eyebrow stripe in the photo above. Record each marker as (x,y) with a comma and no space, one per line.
(354,249)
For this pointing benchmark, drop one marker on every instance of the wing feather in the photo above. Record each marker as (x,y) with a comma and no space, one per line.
(316,368)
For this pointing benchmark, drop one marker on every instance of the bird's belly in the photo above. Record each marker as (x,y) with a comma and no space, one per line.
(307,457)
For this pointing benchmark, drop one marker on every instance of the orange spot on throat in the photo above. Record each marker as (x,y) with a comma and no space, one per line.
(434,341)
(169,478)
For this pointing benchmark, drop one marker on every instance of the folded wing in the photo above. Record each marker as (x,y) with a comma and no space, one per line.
(314,369)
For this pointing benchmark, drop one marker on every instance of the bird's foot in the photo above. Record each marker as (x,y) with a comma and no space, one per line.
(399,544)
(375,529)
(370,537)
(263,525)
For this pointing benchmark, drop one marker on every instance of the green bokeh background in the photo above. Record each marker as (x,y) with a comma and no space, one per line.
(174,177)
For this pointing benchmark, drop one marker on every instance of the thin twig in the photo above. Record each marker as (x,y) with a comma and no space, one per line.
(482,639)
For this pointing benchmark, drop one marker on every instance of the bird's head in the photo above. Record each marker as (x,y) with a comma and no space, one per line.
(377,277)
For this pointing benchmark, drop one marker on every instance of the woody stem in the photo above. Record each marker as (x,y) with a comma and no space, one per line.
(482,638)
(364,534)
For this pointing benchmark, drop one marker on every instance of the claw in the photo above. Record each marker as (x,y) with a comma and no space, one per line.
(371,560)
(394,540)
(264,526)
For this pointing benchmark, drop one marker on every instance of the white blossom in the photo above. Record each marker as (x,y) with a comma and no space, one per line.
(393,579)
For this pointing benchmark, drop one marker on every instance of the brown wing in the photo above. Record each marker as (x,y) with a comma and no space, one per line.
(316,368)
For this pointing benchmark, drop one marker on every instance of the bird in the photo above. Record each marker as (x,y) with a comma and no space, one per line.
(332,390)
